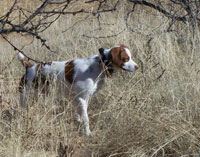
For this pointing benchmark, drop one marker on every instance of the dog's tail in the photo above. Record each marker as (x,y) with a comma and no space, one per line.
(24,60)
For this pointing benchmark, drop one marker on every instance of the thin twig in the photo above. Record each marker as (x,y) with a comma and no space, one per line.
(102,37)
(16,49)
(161,10)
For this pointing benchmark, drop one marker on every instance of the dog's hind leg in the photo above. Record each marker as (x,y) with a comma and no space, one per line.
(25,89)
(22,91)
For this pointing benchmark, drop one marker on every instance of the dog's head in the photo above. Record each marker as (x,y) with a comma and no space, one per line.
(120,57)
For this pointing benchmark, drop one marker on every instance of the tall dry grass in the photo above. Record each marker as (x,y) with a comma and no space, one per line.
(154,112)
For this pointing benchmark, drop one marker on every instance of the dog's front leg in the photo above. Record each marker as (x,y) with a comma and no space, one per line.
(83,105)
(22,98)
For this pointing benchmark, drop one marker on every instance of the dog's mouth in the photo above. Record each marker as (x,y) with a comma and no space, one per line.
(127,70)
(130,68)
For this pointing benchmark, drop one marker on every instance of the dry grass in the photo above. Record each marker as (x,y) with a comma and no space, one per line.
(141,114)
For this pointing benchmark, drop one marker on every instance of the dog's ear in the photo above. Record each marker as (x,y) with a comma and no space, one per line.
(101,51)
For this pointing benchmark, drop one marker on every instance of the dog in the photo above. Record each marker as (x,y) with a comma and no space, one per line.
(83,77)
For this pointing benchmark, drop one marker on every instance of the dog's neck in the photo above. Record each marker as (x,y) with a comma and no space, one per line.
(106,62)
(107,52)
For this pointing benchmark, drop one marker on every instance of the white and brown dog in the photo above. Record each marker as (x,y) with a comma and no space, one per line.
(83,77)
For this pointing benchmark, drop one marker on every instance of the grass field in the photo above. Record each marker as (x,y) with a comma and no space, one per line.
(153,112)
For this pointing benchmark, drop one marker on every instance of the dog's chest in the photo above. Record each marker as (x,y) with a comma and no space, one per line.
(87,68)
(88,75)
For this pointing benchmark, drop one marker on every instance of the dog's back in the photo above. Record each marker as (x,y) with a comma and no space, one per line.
(81,76)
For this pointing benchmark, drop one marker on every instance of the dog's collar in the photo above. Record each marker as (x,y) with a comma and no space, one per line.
(106,64)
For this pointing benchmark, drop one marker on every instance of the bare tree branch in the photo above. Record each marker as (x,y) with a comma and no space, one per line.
(44,4)
(16,49)
(49,11)
(108,36)
(160,9)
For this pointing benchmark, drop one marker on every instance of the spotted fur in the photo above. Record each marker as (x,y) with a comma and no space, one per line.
(69,71)
(84,76)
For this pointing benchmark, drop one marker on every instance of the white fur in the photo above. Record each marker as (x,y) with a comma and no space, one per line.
(87,79)
(20,56)
(130,65)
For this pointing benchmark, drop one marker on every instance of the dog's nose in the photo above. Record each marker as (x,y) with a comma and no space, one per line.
(136,67)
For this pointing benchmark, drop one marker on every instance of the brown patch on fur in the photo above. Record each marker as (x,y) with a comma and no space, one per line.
(38,80)
(124,46)
(69,71)
(41,81)
(22,83)
(38,68)
(26,62)
(119,56)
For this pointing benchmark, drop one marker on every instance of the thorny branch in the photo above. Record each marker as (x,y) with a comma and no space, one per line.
(49,11)
(186,11)
(16,49)
(190,7)
(102,37)
(34,22)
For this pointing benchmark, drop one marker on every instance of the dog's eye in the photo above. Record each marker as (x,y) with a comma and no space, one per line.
(126,59)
